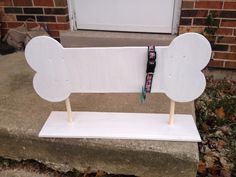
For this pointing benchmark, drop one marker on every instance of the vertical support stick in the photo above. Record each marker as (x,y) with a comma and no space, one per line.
(172,112)
(68,108)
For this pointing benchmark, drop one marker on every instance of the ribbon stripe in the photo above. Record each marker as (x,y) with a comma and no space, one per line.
(151,65)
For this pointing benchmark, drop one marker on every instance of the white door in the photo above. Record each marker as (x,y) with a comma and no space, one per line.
(125,15)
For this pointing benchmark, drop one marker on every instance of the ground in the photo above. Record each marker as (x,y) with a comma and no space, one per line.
(32,168)
(216,121)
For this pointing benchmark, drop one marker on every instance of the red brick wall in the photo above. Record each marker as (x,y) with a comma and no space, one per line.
(51,14)
(194,19)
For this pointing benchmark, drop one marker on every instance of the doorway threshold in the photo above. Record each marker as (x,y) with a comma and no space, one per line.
(89,38)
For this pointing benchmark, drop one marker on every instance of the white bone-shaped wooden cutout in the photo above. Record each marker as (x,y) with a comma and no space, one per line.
(62,71)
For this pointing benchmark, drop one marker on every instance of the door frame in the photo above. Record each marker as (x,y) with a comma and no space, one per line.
(175,19)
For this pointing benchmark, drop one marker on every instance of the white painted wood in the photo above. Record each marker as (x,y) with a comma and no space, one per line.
(121,126)
(186,56)
(176,16)
(68,109)
(172,112)
(71,14)
(125,15)
(62,71)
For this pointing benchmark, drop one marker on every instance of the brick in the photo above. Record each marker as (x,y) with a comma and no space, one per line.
(229,5)
(60,3)
(185,21)
(13,10)
(225,55)
(227,40)
(22,2)
(224,14)
(200,21)
(33,25)
(228,23)
(187,5)
(224,31)
(194,13)
(14,24)
(228,14)
(204,22)
(233,48)
(48,3)
(58,26)
(209,4)
(218,47)
(230,65)
(8,17)
(185,29)
(1,11)
(216,64)
(33,10)
(63,18)
(46,18)
(56,11)
(6,3)
(24,17)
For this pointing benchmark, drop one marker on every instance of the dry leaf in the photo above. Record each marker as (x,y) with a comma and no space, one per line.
(225,129)
(207,149)
(220,112)
(225,173)
(205,127)
(221,144)
(210,160)
(219,133)
(201,167)
(213,154)
(224,163)
(215,171)
(212,144)
(100,173)
(86,173)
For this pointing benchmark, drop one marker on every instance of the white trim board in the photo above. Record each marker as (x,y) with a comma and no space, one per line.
(144,126)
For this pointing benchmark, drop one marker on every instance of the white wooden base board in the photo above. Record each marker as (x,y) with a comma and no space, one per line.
(109,125)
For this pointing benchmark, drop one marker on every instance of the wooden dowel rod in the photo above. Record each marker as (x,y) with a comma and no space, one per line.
(172,112)
(68,108)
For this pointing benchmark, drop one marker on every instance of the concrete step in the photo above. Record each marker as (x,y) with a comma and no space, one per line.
(23,113)
(21,173)
(85,38)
